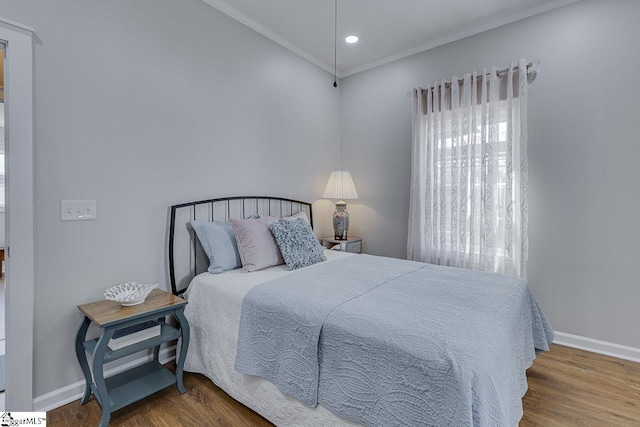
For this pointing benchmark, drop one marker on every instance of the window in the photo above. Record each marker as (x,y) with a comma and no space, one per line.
(447,177)
(469,204)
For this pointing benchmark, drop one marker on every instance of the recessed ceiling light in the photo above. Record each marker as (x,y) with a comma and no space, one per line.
(351,39)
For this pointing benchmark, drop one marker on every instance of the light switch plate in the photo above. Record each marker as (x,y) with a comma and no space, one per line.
(77,210)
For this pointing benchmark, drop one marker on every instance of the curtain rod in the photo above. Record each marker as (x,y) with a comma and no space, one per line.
(531,66)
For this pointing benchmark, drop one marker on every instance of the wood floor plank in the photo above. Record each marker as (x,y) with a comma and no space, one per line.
(567,387)
(570,387)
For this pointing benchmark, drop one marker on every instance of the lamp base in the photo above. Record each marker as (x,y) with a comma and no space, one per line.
(340,221)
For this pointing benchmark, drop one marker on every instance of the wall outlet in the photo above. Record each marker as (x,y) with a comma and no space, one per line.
(77,210)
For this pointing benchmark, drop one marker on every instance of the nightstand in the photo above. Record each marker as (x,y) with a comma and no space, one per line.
(353,244)
(136,383)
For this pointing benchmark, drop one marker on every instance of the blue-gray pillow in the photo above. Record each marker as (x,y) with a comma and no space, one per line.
(219,243)
(297,243)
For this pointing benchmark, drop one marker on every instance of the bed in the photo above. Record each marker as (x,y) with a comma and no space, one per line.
(373,344)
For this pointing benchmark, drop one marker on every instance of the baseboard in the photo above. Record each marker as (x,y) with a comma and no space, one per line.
(68,394)
(597,346)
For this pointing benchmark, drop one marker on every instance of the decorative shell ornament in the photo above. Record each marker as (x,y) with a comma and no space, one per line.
(130,293)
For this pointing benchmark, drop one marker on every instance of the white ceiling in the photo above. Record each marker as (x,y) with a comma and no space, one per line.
(388,29)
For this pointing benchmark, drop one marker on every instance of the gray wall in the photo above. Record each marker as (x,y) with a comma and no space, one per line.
(583,153)
(144,104)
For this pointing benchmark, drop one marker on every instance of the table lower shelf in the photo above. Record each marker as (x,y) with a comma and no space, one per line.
(135,384)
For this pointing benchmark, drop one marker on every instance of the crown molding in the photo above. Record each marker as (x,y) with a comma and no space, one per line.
(463,34)
(16,25)
(234,13)
(225,8)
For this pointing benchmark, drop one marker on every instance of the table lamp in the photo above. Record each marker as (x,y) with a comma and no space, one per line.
(340,186)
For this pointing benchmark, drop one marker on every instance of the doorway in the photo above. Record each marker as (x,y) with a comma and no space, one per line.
(2,240)
(17,42)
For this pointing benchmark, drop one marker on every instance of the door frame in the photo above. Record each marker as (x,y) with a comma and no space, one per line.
(19,216)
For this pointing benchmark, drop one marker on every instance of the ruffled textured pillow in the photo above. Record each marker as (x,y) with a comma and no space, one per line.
(297,243)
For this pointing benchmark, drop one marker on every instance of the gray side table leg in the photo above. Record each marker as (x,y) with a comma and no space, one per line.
(82,358)
(156,349)
(184,328)
(98,375)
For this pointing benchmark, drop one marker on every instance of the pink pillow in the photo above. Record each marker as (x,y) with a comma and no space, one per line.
(257,246)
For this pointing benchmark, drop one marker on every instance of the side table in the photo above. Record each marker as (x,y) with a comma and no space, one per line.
(134,384)
(352,244)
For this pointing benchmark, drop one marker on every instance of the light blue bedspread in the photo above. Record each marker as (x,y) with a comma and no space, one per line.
(388,342)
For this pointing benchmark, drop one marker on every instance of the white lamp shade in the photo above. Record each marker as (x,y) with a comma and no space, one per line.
(340,186)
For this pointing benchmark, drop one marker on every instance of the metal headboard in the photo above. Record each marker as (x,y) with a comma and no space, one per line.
(220,209)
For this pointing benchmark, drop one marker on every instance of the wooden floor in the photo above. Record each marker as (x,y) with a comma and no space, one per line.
(567,387)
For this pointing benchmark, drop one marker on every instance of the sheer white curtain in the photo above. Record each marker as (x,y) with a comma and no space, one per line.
(468,205)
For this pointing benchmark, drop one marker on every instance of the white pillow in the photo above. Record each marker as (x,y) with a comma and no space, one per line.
(301,214)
